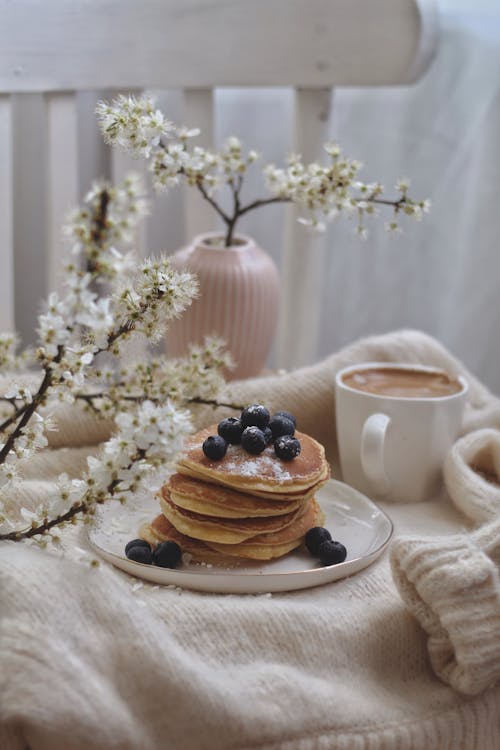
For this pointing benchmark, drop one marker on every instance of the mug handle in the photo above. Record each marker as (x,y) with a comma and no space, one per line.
(372,452)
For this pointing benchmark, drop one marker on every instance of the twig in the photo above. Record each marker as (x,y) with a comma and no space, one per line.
(18,410)
(47,524)
(30,409)
(83,507)
(225,218)
(91,397)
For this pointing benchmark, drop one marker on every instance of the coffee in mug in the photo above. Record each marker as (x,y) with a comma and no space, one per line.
(411,383)
(395,424)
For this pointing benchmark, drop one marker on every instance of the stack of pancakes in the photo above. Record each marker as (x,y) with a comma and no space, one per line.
(242,506)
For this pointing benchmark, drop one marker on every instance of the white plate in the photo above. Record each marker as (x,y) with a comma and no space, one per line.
(351,518)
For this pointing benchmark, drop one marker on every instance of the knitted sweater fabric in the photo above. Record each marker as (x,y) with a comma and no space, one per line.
(92,659)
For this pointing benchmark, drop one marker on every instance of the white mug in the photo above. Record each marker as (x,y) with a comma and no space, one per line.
(393,447)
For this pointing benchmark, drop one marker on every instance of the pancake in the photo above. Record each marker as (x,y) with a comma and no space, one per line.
(160,529)
(219,501)
(245,472)
(286,496)
(269,546)
(224,530)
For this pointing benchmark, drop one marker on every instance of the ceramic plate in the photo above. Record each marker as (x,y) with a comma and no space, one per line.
(351,518)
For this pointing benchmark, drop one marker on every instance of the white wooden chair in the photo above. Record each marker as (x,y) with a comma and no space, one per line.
(57,54)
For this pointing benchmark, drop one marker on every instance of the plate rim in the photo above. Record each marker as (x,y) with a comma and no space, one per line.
(313,572)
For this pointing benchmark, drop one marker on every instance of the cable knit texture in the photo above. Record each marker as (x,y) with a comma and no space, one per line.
(92,660)
(452,585)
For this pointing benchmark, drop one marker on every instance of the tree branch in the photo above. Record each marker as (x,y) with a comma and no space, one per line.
(263,202)
(47,524)
(225,218)
(91,397)
(83,506)
(30,409)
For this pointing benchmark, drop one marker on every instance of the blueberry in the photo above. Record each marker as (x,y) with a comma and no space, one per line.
(287,415)
(167,554)
(214,447)
(316,536)
(255,415)
(136,543)
(268,435)
(280,425)
(230,429)
(253,440)
(331,553)
(287,447)
(139,553)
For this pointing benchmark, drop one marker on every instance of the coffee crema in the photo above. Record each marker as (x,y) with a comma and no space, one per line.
(392,381)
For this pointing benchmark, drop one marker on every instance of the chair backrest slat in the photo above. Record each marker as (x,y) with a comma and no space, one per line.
(122,164)
(199,112)
(6,216)
(62,178)
(302,251)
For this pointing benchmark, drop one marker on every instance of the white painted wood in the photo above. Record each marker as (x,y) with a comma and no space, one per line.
(127,44)
(199,112)
(94,155)
(30,217)
(303,252)
(6,217)
(165,223)
(62,179)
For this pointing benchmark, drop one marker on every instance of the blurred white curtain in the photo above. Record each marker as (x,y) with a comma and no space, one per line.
(441,275)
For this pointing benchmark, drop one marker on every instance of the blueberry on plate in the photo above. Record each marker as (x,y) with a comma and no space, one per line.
(288,416)
(167,554)
(280,425)
(214,447)
(316,536)
(230,429)
(141,554)
(136,543)
(287,447)
(255,415)
(331,553)
(253,440)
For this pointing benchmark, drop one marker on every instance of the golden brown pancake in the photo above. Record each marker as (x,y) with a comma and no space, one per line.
(160,529)
(224,530)
(268,546)
(245,472)
(216,500)
(285,495)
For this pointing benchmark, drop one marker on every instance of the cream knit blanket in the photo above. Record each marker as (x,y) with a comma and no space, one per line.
(92,660)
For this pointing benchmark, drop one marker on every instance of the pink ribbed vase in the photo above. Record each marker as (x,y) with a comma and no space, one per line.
(239,301)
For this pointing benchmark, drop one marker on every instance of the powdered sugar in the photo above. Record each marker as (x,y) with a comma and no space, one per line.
(246,465)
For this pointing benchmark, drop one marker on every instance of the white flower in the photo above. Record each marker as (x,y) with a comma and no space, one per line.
(185,132)
(19,392)
(332,149)
(133,123)
(392,227)
(403,184)
(100,471)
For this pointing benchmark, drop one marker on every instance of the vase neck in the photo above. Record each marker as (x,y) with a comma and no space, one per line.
(214,241)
